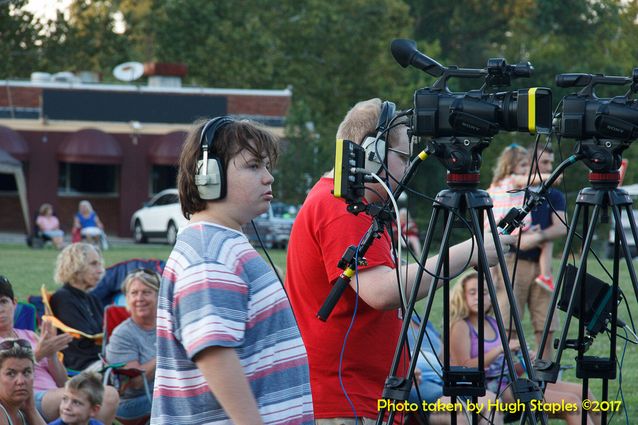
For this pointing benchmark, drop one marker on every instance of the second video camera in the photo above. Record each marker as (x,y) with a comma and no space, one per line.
(438,112)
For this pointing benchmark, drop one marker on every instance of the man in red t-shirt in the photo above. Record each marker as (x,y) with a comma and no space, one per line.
(322,231)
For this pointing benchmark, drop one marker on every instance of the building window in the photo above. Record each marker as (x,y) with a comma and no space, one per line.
(8,183)
(88,179)
(163,177)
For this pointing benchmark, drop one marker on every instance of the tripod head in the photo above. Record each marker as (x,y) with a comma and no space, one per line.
(461,156)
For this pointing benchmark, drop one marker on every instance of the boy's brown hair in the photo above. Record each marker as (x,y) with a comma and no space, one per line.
(229,140)
(89,384)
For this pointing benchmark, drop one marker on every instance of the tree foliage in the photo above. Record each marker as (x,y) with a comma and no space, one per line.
(331,53)
(19,39)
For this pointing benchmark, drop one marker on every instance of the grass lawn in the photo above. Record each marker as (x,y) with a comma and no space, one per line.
(28,269)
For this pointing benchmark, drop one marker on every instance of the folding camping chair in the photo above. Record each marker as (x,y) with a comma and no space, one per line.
(116,374)
(109,289)
(24,316)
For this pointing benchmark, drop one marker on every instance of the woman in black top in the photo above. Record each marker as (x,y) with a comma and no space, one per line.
(79,267)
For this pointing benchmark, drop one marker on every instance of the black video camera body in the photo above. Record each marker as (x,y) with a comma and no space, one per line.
(461,125)
(604,127)
(440,113)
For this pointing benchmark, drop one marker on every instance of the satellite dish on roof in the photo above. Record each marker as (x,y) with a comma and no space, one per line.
(128,71)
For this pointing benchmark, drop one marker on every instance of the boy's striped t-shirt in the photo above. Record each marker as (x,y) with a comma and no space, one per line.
(217,291)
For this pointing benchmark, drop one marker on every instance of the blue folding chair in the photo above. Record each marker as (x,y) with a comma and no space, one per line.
(24,317)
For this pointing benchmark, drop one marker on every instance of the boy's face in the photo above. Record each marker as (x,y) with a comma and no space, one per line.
(76,409)
(249,188)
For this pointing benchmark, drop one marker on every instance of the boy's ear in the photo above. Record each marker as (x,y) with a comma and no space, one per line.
(95,409)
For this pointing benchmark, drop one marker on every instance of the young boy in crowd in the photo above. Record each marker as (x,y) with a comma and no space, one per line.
(81,400)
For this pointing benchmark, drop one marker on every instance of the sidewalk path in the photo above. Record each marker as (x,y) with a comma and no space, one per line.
(20,238)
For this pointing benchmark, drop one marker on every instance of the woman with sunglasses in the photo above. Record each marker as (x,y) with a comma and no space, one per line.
(133,341)
(49,373)
(17,404)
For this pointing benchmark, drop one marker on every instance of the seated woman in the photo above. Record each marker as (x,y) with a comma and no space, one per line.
(88,223)
(464,352)
(17,404)
(430,382)
(78,269)
(49,225)
(133,341)
(50,375)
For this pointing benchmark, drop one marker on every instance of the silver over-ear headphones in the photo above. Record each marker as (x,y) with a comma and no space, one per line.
(375,144)
(211,175)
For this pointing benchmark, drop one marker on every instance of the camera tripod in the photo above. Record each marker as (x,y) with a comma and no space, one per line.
(603,194)
(462,197)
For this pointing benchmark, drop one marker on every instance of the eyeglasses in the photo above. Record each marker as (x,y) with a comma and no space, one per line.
(147,271)
(9,344)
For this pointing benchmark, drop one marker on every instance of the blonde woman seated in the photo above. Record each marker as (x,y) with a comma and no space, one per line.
(78,269)
(464,298)
(89,224)
(133,341)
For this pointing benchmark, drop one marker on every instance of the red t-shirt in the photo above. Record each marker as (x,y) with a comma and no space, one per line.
(322,232)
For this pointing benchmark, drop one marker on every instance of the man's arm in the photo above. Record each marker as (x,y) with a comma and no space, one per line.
(378,285)
(228,383)
(557,229)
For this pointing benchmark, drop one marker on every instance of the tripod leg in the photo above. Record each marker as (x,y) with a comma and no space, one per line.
(531,393)
(395,388)
(510,297)
(549,371)
(625,244)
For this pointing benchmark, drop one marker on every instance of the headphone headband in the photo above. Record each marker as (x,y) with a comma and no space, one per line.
(385,116)
(210,129)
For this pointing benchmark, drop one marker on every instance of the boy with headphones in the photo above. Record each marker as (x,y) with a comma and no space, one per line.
(228,347)
(320,235)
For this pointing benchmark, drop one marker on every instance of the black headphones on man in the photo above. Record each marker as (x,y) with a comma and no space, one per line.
(211,174)
(375,143)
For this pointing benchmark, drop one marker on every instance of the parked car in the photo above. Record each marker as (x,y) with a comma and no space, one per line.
(632,190)
(273,226)
(161,217)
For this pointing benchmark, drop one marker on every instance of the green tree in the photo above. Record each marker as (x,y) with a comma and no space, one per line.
(20,35)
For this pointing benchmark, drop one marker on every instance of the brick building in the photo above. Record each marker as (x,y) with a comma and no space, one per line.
(115,145)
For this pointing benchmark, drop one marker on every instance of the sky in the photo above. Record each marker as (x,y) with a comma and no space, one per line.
(46,8)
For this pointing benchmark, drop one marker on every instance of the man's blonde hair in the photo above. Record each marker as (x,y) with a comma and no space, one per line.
(362,120)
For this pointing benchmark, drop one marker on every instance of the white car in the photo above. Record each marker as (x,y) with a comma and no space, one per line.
(632,190)
(161,217)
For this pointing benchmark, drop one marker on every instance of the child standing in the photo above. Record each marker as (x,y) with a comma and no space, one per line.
(464,323)
(81,401)
(511,176)
(228,346)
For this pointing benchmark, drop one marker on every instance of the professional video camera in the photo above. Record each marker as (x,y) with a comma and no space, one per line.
(461,125)
(604,128)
